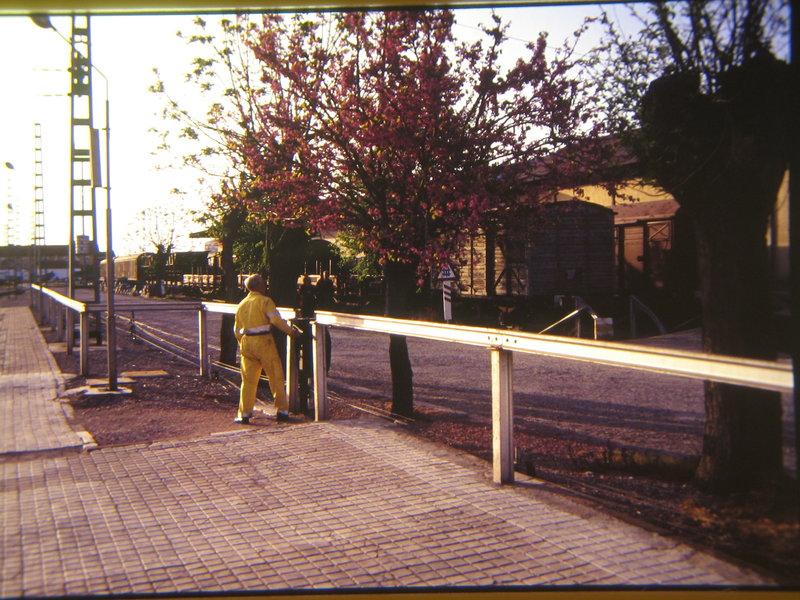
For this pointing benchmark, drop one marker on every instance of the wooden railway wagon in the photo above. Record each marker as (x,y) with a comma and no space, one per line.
(567,249)
(131,270)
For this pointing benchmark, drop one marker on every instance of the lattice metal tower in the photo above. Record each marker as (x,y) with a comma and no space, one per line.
(38,204)
(83,215)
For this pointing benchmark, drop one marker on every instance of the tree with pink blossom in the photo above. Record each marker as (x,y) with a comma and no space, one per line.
(381,126)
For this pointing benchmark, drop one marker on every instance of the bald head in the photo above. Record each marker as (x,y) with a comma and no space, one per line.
(255,283)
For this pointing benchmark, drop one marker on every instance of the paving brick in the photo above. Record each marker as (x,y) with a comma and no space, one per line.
(323,506)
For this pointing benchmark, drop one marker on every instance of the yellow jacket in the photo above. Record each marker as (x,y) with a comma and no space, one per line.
(257,310)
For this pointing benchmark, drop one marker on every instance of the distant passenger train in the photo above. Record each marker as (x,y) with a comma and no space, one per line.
(141,274)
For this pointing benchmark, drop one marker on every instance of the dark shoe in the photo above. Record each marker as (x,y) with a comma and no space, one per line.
(242,420)
(282,416)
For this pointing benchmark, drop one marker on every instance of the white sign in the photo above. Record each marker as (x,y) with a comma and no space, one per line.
(446,300)
(447,274)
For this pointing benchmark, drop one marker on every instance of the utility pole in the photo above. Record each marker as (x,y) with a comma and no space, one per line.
(85,177)
(83,214)
(38,205)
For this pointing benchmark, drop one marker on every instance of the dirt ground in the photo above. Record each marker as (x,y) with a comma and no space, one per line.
(170,401)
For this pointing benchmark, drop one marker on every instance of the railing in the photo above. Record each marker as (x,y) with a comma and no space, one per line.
(64,327)
(501,345)
(51,313)
(637,305)
(601,327)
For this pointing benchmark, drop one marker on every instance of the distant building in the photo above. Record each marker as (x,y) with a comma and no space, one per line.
(18,262)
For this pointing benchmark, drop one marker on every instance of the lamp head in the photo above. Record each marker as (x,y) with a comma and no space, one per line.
(42,21)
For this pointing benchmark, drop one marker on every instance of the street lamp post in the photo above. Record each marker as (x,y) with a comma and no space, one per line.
(43,21)
(9,237)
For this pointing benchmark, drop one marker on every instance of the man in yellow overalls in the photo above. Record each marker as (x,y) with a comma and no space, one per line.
(255,316)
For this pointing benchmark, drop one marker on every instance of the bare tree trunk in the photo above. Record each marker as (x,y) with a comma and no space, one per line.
(723,156)
(232,222)
(742,441)
(400,285)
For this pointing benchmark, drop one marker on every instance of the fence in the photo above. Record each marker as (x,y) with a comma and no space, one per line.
(501,345)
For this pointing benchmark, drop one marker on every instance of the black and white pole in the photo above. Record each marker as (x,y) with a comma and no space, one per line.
(447,277)
(447,300)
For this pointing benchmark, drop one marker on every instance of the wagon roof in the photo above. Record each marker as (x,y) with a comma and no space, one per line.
(654,210)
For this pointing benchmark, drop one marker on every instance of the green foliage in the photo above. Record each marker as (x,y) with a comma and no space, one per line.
(249,248)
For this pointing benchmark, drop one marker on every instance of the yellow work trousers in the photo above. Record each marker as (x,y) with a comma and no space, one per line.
(259,353)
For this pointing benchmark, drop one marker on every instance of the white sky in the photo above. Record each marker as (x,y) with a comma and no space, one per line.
(126,49)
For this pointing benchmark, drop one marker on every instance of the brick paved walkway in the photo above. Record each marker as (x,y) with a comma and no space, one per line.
(30,421)
(338,505)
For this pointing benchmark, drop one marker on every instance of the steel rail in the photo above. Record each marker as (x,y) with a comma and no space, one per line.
(142,329)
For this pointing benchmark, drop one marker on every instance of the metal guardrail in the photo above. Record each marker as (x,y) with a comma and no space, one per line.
(697,365)
(75,305)
(501,344)
(635,305)
(65,326)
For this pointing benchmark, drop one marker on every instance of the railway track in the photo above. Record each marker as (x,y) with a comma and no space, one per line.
(158,339)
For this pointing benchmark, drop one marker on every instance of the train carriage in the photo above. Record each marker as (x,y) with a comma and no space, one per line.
(131,271)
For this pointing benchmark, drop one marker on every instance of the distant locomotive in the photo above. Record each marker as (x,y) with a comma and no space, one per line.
(131,273)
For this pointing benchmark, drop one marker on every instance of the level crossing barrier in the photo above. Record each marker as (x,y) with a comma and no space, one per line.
(501,345)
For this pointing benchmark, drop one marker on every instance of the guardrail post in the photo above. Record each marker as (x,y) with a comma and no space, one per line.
(42,313)
(292,358)
(202,330)
(320,375)
(36,304)
(69,329)
(58,313)
(502,416)
(44,317)
(84,333)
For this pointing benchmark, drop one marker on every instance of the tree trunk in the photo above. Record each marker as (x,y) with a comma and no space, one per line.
(742,441)
(400,284)
(227,339)
(232,222)
(723,155)
(286,252)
